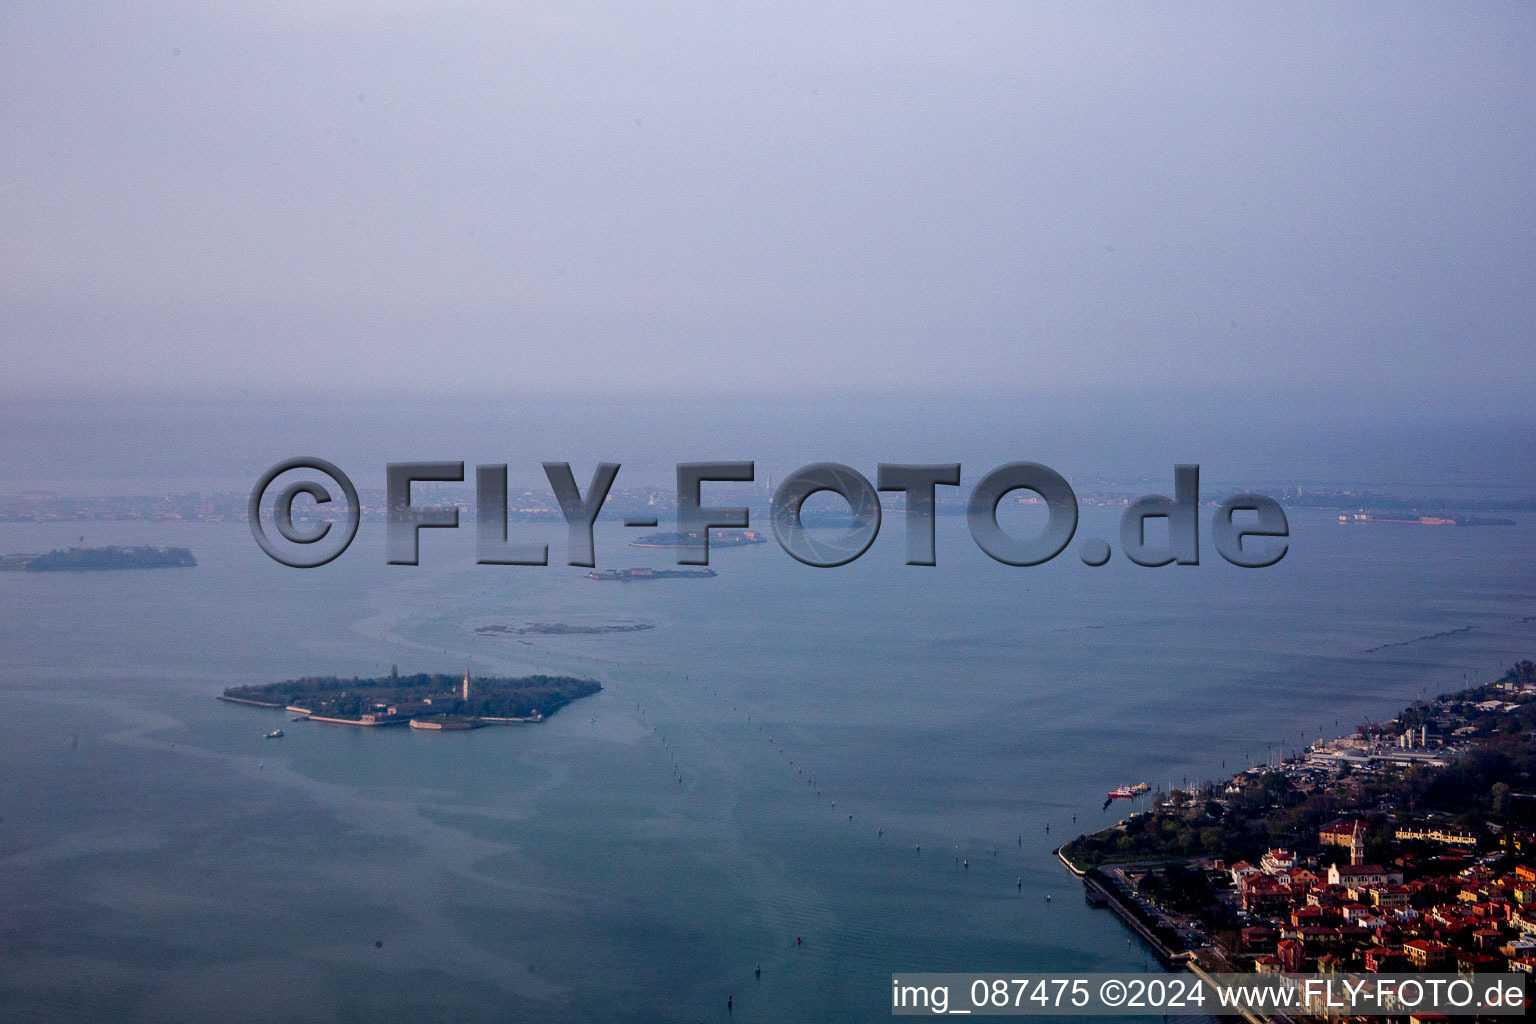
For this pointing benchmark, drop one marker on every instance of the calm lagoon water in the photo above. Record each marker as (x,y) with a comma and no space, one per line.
(160,860)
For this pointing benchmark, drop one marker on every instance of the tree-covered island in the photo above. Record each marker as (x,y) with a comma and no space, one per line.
(100,559)
(426,701)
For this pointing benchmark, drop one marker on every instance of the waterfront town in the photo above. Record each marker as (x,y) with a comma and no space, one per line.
(1409,845)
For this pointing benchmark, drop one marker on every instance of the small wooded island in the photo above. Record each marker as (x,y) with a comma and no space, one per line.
(424,701)
(693,538)
(100,559)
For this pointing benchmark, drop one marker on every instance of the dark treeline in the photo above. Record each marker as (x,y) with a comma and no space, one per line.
(99,559)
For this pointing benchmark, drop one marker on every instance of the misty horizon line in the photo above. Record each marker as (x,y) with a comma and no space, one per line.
(1323,401)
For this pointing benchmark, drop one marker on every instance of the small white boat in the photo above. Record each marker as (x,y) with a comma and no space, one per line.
(275,734)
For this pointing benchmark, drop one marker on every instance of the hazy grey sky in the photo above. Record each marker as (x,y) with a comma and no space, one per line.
(530,198)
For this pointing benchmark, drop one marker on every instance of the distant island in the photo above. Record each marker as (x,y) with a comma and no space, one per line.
(424,701)
(1429,519)
(695,539)
(567,629)
(652,574)
(100,559)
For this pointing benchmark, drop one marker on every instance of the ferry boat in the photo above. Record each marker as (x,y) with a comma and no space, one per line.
(1129,792)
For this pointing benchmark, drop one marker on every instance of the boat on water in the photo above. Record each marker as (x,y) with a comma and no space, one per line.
(1129,792)
(275,734)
